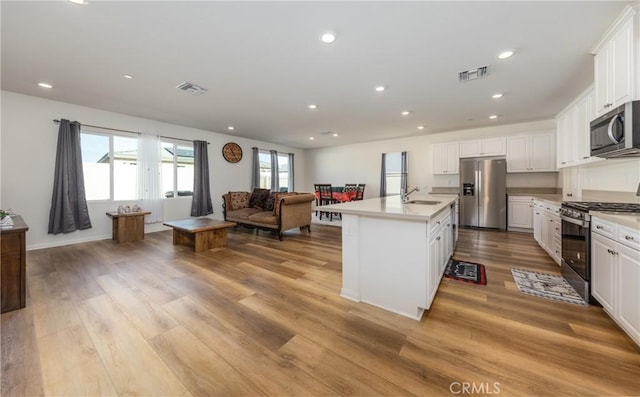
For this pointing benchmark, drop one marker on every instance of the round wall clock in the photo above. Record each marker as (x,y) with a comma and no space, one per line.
(232,152)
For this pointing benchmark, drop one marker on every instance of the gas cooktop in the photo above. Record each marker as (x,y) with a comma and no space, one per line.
(597,206)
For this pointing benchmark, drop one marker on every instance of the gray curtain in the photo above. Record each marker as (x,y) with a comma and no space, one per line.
(383,176)
(275,174)
(255,172)
(291,175)
(69,210)
(201,204)
(403,172)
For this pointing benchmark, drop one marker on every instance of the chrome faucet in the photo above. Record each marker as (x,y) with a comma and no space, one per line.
(405,196)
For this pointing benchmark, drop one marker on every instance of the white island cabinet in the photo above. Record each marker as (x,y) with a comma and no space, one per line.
(394,254)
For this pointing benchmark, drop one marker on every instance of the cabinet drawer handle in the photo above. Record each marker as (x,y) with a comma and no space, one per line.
(438,222)
(598,227)
(628,237)
(438,238)
(557,229)
(448,224)
(569,194)
(585,157)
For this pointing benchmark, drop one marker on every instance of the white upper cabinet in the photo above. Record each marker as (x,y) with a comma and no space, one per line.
(445,158)
(574,132)
(531,153)
(615,65)
(483,147)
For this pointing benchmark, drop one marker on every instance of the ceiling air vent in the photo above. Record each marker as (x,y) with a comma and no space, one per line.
(472,74)
(191,88)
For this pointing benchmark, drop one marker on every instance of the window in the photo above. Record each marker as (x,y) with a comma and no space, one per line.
(283,171)
(393,173)
(266,173)
(265,169)
(109,165)
(177,170)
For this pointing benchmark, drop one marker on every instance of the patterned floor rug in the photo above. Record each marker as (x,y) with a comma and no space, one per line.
(465,271)
(546,285)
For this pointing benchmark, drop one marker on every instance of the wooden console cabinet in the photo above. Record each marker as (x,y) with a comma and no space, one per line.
(13,265)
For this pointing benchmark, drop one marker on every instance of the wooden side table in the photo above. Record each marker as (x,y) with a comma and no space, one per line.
(201,234)
(128,227)
(13,265)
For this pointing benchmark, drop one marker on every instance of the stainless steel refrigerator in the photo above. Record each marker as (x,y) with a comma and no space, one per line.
(483,193)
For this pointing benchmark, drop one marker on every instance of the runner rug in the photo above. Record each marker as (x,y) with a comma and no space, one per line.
(546,285)
(465,271)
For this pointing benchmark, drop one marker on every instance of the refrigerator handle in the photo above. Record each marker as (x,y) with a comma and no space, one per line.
(478,185)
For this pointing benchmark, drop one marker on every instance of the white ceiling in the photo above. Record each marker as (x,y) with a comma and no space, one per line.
(263,63)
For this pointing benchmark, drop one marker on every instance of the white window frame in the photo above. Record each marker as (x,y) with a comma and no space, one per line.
(111,136)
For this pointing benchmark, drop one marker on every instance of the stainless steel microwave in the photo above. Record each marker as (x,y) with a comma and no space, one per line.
(617,133)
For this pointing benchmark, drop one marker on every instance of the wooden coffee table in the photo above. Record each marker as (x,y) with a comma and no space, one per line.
(201,234)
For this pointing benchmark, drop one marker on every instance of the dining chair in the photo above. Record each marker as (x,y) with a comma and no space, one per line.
(350,190)
(360,192)
(324,196)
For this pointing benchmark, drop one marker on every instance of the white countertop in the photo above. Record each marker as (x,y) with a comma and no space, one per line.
(621,218)
(392,207)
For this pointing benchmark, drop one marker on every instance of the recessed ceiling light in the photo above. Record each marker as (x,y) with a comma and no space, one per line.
(231,128)
(493,116)
(312,106)
(81,2)
(45,85)
(421,127)
(405,112)
(380,88)
(328,38)
(311,138)
(496,96)
(127,76)
(505,54)
(335,134)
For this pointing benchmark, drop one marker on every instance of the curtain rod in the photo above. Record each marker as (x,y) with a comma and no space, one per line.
(130,132)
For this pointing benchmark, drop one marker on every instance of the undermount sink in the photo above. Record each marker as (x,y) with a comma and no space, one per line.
(423,202)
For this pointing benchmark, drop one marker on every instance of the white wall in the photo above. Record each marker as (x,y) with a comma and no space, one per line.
(28,147)
(360,163)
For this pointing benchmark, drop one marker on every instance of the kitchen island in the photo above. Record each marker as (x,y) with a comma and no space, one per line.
(394,254)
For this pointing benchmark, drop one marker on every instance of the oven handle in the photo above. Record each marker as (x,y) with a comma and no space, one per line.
(574,221)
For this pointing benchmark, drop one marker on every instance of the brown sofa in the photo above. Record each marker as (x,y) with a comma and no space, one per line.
(290,210)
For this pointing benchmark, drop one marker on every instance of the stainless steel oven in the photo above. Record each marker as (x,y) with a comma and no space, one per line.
(576,249)
(576,241)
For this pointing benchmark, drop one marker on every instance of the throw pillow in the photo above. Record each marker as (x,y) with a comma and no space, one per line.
(258,198)
(269,202)
(238,200)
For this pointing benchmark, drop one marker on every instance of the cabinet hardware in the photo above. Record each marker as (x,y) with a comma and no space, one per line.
(438,238)
(557,229)
(564,162)
(448,224)
(628,237)
(585,157)
(598,227)
(569,194)
(537,213)
(609,251)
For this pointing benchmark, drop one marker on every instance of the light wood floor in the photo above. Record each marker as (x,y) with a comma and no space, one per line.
(264,317)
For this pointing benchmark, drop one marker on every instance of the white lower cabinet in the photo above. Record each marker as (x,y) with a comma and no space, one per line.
(602,272)
(547,228)
(615,274)
(520,213)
